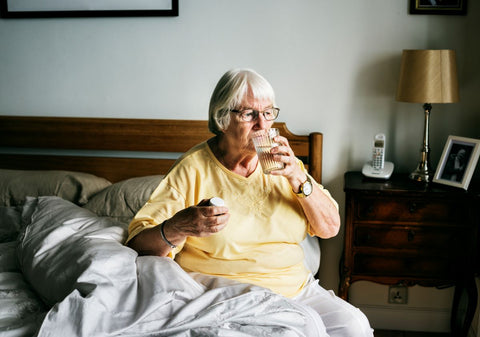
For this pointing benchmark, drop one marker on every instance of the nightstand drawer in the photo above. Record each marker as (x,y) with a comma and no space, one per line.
(447,240)
(390,265)
(403,209)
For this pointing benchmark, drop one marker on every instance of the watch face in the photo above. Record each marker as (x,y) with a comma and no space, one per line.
(307,188)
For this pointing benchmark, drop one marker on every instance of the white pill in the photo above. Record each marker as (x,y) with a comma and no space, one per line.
(216,201)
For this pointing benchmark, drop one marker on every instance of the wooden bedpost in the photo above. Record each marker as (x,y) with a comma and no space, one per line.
(316,154)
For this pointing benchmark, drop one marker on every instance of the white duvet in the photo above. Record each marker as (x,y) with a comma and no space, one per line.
(95,286)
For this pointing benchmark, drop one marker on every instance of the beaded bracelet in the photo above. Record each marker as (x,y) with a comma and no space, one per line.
(164,237)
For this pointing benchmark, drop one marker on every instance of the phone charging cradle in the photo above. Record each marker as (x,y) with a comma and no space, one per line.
(384,173)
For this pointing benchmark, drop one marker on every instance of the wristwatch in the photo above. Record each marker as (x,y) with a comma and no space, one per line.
(306,188)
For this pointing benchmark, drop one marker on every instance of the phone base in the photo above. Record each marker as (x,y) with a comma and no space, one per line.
(384,173)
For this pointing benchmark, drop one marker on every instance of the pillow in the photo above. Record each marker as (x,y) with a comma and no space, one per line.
(10,223)
(124,199)
(311,250)
(59,243)
(77,187)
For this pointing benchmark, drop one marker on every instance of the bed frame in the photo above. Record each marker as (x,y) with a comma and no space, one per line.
(117,149)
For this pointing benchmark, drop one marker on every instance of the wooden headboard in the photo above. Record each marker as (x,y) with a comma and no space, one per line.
(118,149)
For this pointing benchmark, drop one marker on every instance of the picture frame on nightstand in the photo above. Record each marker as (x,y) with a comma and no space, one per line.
(458,161)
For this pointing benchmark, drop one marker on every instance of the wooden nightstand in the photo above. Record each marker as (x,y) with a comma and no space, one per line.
(402,231)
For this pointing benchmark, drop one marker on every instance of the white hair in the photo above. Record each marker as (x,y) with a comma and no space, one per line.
(230,92)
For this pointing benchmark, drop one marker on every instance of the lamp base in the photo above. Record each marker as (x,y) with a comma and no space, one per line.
(421,174)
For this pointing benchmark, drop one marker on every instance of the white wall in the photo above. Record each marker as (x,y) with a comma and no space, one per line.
(334,65)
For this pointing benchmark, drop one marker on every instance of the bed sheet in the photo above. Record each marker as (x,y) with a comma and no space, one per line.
(21,310)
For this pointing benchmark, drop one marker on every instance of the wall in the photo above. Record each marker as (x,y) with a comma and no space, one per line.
(334,65)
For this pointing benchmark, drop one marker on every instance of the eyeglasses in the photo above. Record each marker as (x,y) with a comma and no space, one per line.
(248,115)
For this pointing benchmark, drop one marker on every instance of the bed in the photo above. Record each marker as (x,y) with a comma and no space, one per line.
(68,189)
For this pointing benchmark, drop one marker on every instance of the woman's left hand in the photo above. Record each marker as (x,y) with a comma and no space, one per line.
(321,212)
(292,170)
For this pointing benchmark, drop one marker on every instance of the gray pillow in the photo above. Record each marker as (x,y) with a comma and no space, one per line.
(77,187)
(124,199)
(10,223)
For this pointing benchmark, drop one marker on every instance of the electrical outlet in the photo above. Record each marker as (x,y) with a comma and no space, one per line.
(398,294)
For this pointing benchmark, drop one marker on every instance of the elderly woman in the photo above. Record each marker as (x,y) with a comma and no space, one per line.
(255,238)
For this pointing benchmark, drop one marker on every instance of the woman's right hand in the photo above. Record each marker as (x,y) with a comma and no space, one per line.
(199,220)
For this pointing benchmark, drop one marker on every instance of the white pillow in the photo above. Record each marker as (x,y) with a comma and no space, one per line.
(311,249)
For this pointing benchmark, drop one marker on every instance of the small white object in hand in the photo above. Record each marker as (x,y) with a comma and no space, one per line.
(216,201)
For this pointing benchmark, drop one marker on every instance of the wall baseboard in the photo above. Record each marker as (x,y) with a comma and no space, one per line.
(386,317)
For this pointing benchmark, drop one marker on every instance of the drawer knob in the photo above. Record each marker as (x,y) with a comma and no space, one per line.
(411,235)
(412,208)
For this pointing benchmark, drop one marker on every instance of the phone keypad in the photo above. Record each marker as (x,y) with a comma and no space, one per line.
(377,158)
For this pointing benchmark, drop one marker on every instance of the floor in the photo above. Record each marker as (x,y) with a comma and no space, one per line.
(391,333)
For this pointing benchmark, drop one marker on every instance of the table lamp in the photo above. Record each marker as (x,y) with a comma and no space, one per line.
(427,76)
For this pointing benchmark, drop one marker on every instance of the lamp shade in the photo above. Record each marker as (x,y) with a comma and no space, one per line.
(428,76)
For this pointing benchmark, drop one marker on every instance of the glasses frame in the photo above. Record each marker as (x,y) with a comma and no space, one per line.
(256,114)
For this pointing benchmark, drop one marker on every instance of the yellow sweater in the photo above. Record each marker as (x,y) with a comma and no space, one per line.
(260,244)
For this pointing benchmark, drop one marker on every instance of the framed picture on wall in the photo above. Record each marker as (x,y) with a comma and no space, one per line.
(458,161)
(458,7)
(86,8)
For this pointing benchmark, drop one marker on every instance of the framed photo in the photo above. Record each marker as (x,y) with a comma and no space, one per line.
(86,8)
(458,7)
(458,161)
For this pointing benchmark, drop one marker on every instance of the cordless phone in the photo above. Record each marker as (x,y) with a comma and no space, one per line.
(378,167)
(378,156)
